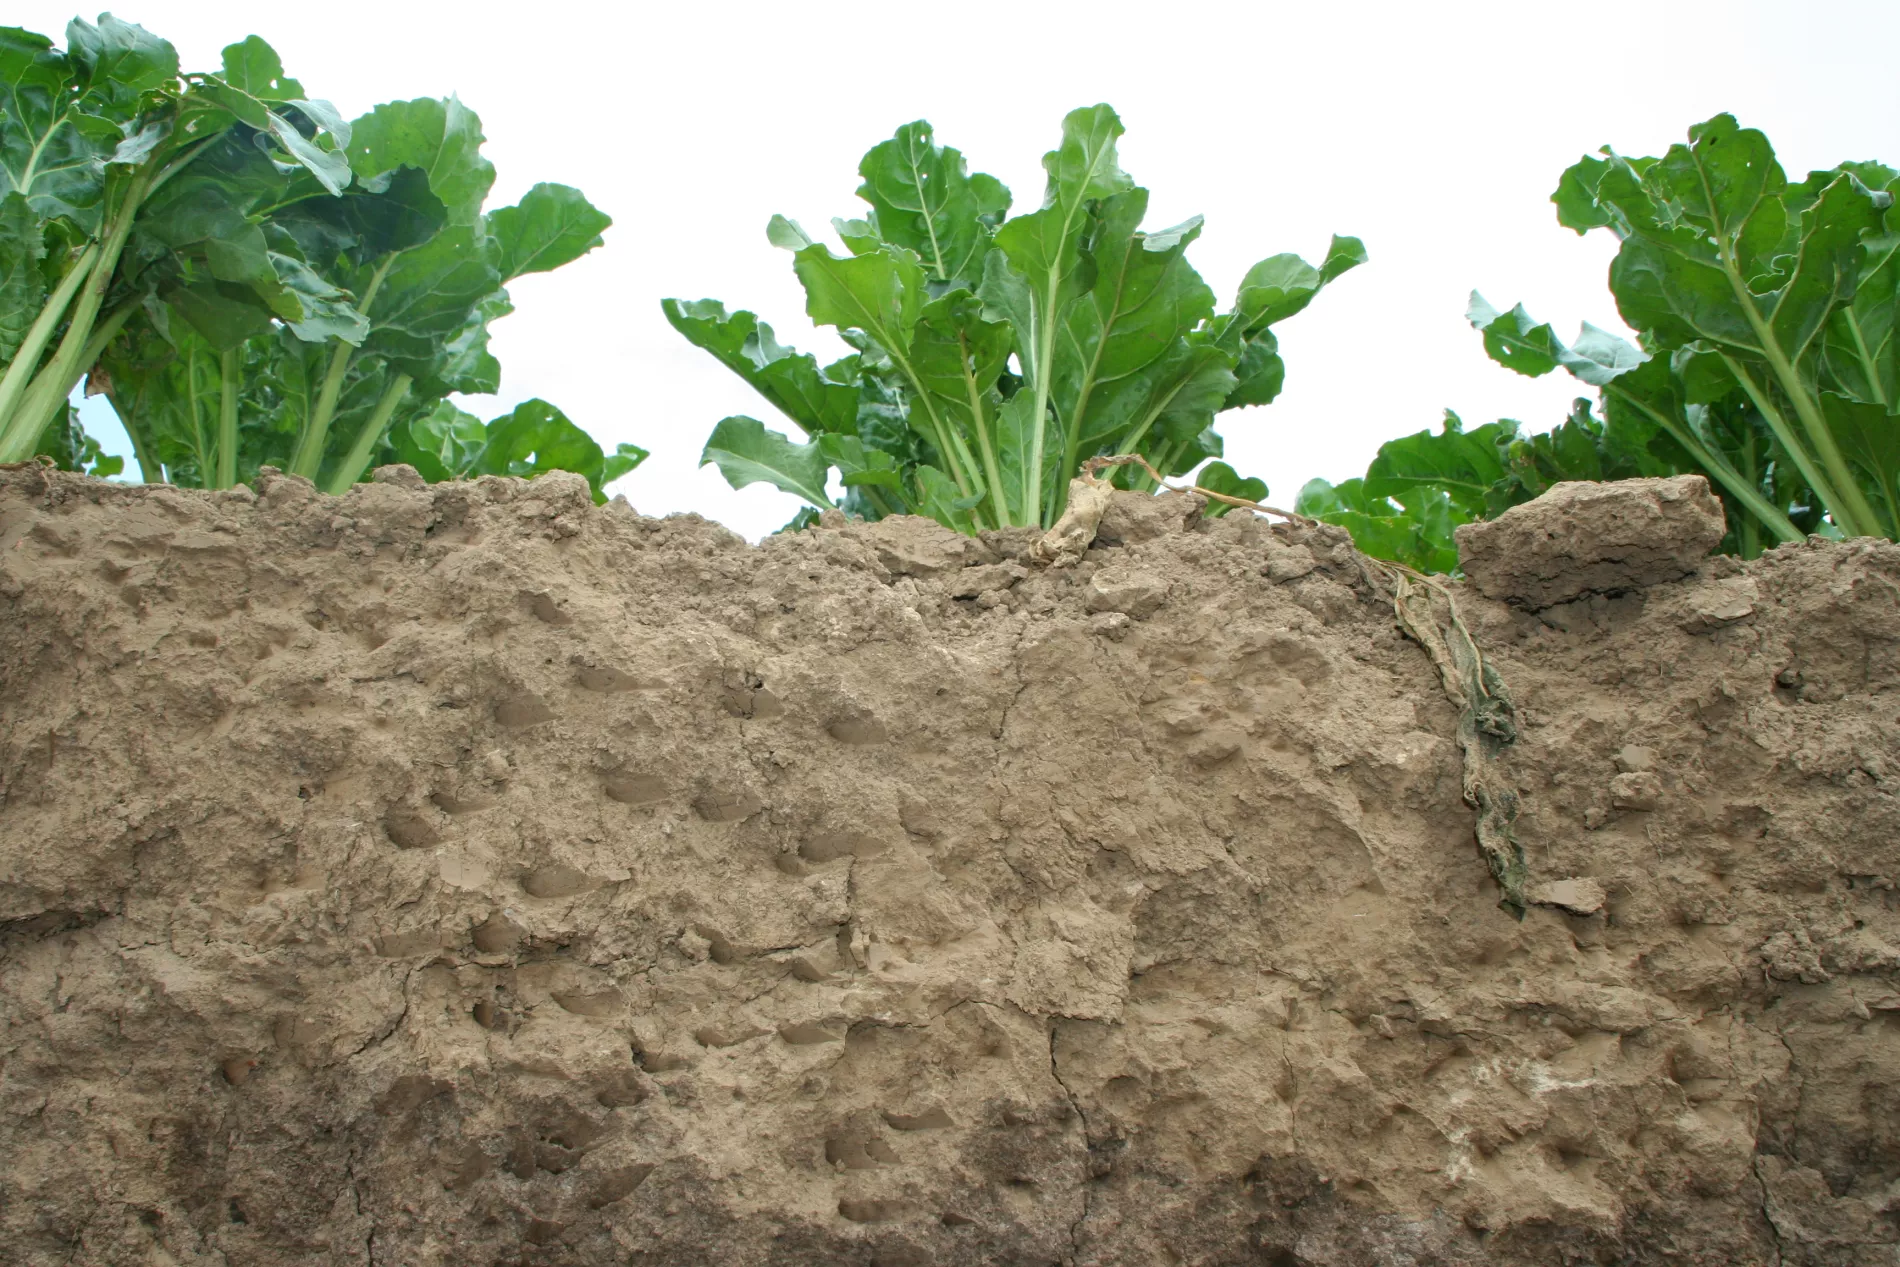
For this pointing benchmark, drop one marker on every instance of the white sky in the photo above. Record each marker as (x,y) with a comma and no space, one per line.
(1435,132)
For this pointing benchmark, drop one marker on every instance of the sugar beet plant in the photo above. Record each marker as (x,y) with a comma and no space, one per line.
(251,279)
(1767,357)
(994,354)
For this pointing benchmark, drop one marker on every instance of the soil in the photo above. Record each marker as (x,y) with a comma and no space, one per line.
(469,874)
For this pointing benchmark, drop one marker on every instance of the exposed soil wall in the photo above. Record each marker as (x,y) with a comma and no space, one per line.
(469,875)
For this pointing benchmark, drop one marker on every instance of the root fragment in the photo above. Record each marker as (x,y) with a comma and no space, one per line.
(1487,719)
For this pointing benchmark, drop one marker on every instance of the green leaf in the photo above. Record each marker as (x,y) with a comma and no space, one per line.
(1260,373)
(321,311)
(1419,538)
(1222,478)
(859,465)
(1517,341)
(375,217)
(1578,206)
(534,439)
(1145,301)
(117,62)
(1085,166)
(1273,290)
(465,363)
(923,198)
(1015,439)
(47,153)
(1044,247)
(880,293)
(1168,403)
(788,235)
(253,67)
(552,225)
(1860,351)
(622,460)
(958,355)
(1513,339)
(441,444)
(428,295)
(746,453)
(940,499)
(1342,256)
(1282,285)
(791,381)
(1870,437)
(1828,267)
(22,284)
(859,236)
(1599,357)
(330,167)
(1728,178)
(224,320)
(1007,297)
(1465,464)
(441,137)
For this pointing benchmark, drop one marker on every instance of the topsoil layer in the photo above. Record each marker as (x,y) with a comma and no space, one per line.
(471,875)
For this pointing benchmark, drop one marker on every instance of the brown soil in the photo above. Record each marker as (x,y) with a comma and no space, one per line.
(471,875)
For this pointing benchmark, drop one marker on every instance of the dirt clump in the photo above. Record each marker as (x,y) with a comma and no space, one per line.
(1582,538)
(471,874)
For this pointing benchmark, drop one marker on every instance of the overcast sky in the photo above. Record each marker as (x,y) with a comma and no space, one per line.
(1435,132)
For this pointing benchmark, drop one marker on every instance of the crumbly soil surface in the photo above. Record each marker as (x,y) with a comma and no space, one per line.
(473,875)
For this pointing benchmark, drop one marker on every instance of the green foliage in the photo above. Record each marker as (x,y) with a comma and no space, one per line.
(1765,313)
(250,279)
(449,444)
(994,355)
(1218,477)
(1766,359)
(88,138)
(1421,487)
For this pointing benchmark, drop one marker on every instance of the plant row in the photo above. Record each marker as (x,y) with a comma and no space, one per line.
(250,279)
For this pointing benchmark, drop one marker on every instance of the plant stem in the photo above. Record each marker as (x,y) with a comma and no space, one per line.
(1715,464)
(1170,454)
(308,459)
(950,443)
(1748,531)
(1134,434)
(192,392)
(19,375)
(1803,460)
(1865,523)
(227,418)
(1849,506)
(1045,359)
(105,333)
(1866,359)
(353,464)
(49,394)
(999,505)
(55,382)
